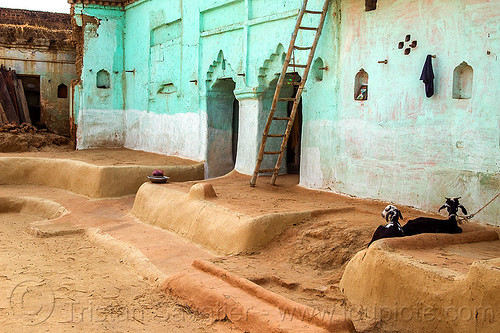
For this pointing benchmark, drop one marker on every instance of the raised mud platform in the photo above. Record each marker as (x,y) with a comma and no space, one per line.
(429,282)
(98,173)
(228,216)
(216,227)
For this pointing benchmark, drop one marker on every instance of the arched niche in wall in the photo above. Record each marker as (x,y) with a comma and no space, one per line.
(220,69)
(62,91)
(272,67)
(462,81)
(370,5)
(103,79)
(222,117)
(317,70)
(361,85)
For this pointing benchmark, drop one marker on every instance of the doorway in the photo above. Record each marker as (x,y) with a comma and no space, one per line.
(294,140)
(291,159)
(31,85)
(223,122)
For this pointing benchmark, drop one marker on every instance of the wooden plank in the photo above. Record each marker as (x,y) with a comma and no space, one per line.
(24,111)
(3,116)
(6,101)
(9,80)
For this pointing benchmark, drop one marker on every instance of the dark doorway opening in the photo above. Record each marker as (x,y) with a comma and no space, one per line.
(222,117)
(31,84)
(236,120)
(294,140)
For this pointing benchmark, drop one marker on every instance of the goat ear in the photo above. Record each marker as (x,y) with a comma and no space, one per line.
(387,217)
(442,207)
(400,215)
(463,209)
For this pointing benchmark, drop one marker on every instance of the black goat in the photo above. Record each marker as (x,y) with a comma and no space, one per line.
(391,229)
(422,225)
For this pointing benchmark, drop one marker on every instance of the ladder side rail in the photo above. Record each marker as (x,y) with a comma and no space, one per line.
(299,92)
(277,93)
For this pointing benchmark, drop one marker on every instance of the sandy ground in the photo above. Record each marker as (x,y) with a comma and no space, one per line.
(64,283)
(119,156)
(307,261)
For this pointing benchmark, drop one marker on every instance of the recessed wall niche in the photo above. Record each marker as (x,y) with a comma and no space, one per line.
(370,5)
(317,72)
(361,86)
(462,81)
(103,79)
(62,91)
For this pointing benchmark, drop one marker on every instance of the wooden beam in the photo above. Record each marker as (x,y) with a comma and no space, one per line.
(24,112)
(8,107)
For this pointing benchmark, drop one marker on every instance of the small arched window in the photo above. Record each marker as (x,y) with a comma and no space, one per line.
(62,91)
(103,79)
(361,86)
(318,69)
(462,81)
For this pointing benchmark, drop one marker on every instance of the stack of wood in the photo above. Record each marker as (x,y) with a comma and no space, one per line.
(16,128)
(13,104)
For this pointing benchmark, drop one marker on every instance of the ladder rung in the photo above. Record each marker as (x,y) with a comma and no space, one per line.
(298,66)
(308,28)
(276,135)
(313,12)
(281,118)
(290,99)
(302,48)
(272,152)
(267,170)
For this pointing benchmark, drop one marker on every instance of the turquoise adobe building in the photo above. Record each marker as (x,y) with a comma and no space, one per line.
(196,78)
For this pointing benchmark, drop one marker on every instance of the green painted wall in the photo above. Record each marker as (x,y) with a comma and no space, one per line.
(398,145)
(100,113)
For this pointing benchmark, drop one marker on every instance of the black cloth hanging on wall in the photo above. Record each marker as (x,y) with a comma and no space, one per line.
(428,76)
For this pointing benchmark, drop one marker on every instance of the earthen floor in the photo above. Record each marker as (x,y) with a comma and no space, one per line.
(304,264)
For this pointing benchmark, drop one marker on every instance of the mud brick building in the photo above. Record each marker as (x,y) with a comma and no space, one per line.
(196,79)
(39,47)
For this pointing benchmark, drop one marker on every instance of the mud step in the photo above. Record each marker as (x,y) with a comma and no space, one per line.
(220,294)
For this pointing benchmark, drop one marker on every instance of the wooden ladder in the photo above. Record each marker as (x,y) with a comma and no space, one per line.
(296,99)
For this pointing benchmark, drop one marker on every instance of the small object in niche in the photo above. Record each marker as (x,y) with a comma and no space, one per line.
(363,93)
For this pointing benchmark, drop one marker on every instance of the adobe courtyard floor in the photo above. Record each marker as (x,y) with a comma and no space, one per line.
(95,267)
